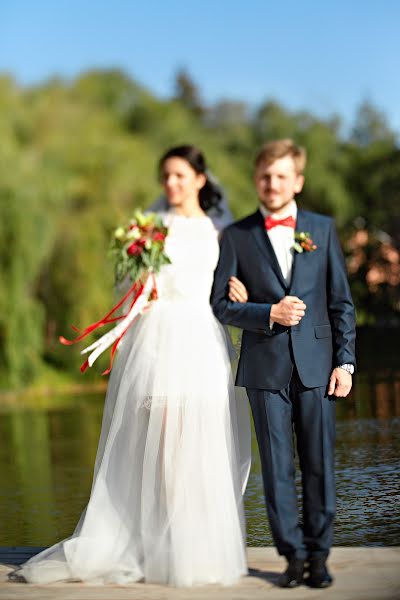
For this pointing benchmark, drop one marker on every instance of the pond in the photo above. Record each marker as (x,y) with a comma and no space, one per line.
(47,456)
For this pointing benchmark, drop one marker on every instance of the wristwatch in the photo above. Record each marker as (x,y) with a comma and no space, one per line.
(347,367)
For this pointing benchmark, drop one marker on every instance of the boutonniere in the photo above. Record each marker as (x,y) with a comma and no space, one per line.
(303,242)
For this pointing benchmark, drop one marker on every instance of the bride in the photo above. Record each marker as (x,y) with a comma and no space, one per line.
(174,451)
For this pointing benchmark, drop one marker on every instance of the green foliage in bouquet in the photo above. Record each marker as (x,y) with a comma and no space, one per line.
(138,248)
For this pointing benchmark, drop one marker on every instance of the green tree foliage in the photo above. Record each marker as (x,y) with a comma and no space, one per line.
(77,158)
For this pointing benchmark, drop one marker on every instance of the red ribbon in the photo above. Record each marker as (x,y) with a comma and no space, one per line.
(133,291)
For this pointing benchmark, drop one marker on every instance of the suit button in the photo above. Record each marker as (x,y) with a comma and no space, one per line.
(288,331)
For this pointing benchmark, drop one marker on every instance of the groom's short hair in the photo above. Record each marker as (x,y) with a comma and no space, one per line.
(275,149)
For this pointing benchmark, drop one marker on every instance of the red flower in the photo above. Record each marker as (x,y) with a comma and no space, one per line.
(158,236)
(308,245)
(135,249)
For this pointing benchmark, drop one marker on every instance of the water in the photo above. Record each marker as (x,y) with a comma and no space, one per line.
(47,455)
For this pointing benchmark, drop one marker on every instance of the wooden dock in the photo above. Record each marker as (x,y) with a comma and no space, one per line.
(360,574)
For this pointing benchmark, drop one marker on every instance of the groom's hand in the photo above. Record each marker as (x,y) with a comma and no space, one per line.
(288,311)
(340,383)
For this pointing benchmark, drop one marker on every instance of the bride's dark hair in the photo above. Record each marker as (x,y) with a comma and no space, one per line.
(210,195)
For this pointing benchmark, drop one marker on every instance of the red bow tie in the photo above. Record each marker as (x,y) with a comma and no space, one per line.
(270,222)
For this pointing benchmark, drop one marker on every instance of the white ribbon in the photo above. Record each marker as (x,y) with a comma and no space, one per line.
(109,338)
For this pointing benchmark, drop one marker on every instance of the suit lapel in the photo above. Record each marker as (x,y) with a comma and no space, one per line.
(265,246)
(302,224)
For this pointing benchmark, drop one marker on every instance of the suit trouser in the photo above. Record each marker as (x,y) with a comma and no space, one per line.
(310,414)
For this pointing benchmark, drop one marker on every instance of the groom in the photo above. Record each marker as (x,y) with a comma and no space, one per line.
(297,352)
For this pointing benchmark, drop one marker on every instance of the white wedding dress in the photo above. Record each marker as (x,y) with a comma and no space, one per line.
(174,452)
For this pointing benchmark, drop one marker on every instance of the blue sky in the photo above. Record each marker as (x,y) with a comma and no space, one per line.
(322,56)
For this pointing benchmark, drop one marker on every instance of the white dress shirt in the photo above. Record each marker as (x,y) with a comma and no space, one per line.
(282,239)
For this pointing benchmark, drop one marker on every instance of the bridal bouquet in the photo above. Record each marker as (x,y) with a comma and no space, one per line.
(139,247)
(138,253)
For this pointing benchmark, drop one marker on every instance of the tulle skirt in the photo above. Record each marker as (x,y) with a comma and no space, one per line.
(172,463)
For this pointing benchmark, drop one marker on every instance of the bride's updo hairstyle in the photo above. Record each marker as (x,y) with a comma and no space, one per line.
(210,195)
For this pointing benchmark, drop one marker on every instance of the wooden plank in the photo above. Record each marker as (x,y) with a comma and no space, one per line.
(368,573)
(16,555)
(24,549)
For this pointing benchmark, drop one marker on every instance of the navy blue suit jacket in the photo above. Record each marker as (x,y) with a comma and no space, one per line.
(323,339)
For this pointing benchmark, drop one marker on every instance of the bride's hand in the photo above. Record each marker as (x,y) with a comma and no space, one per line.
(237,291)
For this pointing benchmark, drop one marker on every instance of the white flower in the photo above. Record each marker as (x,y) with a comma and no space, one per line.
(133,234)
(119,233)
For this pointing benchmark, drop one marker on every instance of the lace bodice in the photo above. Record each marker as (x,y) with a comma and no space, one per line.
(192,246)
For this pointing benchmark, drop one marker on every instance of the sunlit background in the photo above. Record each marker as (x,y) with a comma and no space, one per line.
(91,94)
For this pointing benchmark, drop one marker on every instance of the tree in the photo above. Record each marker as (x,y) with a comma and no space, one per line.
(76,158)
(187,93)
(371,127)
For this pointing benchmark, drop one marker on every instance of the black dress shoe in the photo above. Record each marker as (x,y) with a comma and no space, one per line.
(319,576)
(293,576)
